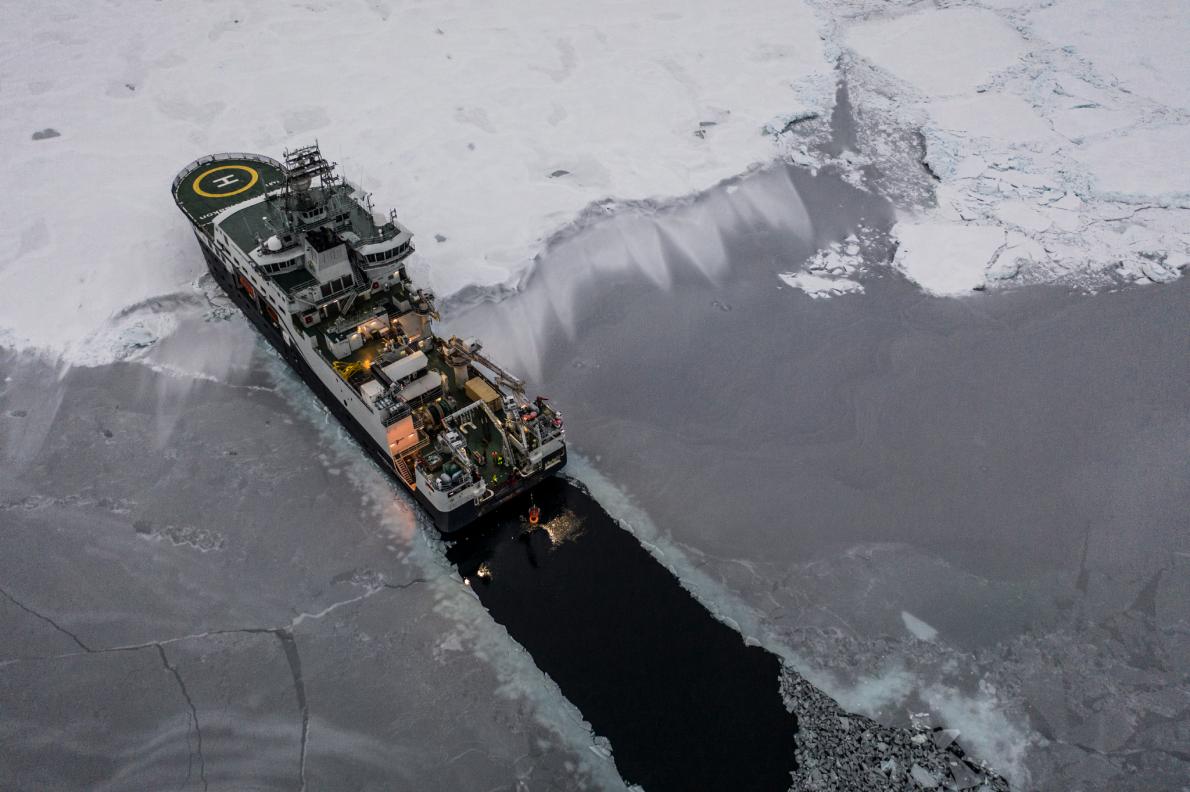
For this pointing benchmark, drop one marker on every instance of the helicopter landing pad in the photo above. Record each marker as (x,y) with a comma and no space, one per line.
(208,186)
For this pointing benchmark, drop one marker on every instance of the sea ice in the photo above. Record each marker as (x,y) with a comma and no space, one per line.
(449,113)
(940,52)
(1030,100)
(1147,163)
(1141,45)
(232,638)
(830,271)
(946,259)
(991,115)
(818,286)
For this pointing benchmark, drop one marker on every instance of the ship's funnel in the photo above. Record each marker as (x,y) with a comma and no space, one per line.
(458,363)
(422,311)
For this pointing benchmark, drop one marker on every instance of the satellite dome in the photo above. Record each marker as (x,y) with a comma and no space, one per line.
(272,244)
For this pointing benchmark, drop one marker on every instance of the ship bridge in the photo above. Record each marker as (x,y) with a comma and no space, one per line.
(210,184)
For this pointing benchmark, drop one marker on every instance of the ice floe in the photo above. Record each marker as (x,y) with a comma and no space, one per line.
(1062,124)
(941,52)
(947,259)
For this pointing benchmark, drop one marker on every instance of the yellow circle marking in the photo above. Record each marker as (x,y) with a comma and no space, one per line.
(255,177)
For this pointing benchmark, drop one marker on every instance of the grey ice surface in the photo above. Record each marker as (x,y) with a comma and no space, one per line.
(195,594)
(972,511)
(973,508)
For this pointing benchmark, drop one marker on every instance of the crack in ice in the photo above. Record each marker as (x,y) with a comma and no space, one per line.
(301,617)
(283,634)
(202,762)
(289,644)
(45,619)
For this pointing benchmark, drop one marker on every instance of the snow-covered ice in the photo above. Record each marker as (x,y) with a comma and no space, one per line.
(458,114)
(941,52)
(990,115)
(491,138)
(947,259)
(1025,104)
(1148,163)
(1140,45)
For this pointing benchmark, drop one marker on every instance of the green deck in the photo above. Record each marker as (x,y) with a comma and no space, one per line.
(209,185)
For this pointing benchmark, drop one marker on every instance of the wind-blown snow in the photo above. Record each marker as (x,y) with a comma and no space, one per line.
(489,126)
(630,247)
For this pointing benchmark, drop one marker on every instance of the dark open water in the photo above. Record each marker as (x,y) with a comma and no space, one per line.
(685,704)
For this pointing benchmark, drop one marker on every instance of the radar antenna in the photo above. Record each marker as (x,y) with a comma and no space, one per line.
(302,166)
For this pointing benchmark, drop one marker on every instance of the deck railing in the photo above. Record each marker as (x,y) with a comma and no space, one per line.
(226,155)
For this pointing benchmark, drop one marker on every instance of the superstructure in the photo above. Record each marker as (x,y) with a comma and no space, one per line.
(322,276)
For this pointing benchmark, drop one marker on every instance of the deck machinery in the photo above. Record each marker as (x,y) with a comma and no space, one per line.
(322,275)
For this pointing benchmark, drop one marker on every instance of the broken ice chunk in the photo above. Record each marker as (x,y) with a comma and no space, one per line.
(818,286)
(919,628)
(924,778)
(787,121)
(962,776)
(944,737)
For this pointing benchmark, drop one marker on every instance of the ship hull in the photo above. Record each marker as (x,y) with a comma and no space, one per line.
(446,522)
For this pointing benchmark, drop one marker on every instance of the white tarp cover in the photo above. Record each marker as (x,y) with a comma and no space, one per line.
(406,366)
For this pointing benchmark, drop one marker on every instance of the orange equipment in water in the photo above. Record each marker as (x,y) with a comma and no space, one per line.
(534,515)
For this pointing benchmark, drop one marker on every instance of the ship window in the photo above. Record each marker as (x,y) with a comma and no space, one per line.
(335,286)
